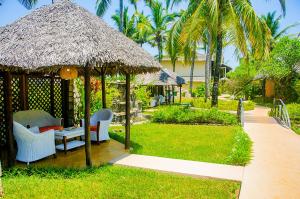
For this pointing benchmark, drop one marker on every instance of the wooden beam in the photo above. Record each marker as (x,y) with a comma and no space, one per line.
(127,111)
(52,105)
(87,91)
(9,119)
(103,88)
(173,97)
(23,92)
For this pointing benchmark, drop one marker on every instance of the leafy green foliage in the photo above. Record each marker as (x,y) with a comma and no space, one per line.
(206,143)
(294,113)
(185,115)
(199,91)
(241,150)
(282,67)
(110,182)
(95,96)
(143,94)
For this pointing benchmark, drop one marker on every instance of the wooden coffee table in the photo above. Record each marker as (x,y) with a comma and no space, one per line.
(67,134)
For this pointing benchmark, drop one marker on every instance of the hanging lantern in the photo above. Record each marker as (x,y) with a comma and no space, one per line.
(68,72)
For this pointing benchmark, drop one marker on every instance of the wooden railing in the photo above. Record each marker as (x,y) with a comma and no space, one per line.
(280,112)
(240,112)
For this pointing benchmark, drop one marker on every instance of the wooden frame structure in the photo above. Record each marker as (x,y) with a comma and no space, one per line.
(91,47)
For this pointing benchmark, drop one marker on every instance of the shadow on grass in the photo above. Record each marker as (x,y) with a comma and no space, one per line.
(121,138)
(51,172)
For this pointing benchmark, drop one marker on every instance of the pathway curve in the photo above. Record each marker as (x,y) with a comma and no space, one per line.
(185,167)
(274,171)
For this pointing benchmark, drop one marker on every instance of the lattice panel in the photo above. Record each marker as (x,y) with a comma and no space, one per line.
(2,114)
(16,100)
(39,93)
(57,98)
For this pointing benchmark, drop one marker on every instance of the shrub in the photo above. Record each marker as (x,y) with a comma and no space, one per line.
(185,115)
(228,105)
(241,150)
(199,91)
(143,94)
(294,113)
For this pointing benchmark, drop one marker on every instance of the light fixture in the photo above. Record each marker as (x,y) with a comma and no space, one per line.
(68,72)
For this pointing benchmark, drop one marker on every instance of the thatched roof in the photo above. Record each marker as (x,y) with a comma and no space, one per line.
(163,77)
(63,34)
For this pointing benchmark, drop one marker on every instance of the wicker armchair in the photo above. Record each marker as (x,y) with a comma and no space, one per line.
(32,146)
(99,125)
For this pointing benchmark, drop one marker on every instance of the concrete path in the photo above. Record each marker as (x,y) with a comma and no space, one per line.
(185,167)
(274,171)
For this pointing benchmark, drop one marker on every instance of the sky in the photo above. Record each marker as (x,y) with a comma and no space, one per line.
(11,10)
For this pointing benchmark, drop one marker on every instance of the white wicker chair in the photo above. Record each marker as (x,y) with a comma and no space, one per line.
(102,120)
(31,146)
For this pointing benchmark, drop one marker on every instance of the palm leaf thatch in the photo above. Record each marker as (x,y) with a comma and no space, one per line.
(164,77)
(65,34)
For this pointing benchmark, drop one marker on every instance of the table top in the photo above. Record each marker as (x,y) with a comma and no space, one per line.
(69,133)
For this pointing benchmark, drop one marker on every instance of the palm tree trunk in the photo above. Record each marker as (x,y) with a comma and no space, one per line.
(207,67)
(121,15)
(192,70)
(217,65)
(159,48)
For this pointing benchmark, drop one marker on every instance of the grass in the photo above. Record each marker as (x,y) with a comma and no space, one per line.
(216,144)
(226,105)
(111,182)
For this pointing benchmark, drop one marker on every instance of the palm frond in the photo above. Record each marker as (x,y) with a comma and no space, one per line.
(28,4)
(102,6)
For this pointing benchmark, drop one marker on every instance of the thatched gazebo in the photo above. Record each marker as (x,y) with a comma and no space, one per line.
(65,35)
(163,78)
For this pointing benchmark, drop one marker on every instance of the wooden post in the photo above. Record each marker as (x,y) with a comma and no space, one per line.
(127,124)
(23,92)
(180,86)
(52,111)
(9,119)
(103,88)
(87,91)
(173,96)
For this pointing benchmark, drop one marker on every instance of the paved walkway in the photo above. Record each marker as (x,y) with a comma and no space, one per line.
(274,171)
(185,167)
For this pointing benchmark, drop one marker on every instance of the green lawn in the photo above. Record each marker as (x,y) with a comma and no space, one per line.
(216,144)
(111,182)
(226,105)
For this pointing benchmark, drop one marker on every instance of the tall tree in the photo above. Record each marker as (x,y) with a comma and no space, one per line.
(159,23)
(233,20)
(128,25)
(273,23)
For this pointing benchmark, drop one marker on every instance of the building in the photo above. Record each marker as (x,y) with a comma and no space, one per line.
(184,70)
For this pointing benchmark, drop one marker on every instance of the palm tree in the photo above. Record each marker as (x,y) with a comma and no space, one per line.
(159,23)
(128,23)
(234,20)
(143,29)
(273,23)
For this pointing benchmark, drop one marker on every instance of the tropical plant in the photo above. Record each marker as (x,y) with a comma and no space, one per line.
(128,25)
(234,22)
(160,20)
(143,29)
(273,23)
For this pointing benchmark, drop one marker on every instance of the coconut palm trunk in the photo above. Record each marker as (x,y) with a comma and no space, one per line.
(207,67)
(121,15)
(192,69)
(219,48)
